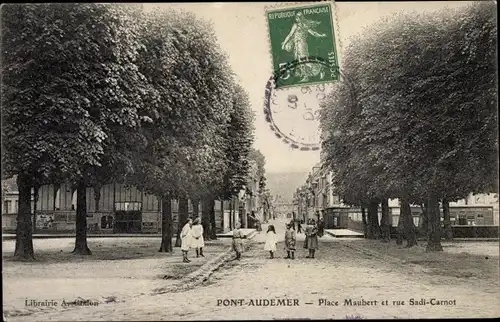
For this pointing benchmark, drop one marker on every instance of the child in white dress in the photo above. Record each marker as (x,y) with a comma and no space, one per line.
(271,240)
(197,237)
(186,240)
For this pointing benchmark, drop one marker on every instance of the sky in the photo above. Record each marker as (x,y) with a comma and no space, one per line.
(242,33)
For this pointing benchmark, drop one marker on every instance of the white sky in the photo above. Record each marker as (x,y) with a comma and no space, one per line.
(242,33)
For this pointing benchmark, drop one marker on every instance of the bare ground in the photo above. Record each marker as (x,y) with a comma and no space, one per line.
(466,272)
(118,269)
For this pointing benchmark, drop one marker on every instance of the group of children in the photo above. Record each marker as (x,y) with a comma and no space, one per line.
(310,242)
(192,237)
(272,241)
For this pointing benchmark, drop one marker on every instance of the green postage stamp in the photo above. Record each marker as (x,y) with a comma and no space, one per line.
(303,33)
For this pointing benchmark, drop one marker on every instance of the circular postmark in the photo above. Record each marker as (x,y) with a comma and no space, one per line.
(293,113)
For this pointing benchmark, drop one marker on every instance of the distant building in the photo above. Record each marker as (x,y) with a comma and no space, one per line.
(316,199)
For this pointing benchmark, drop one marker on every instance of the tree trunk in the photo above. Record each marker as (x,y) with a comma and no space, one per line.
(231,208)
(365,223)
(81,247)
(36,187)
(434,225)
(385,225)
(448,232)
(166,225)
(24,234)
(213,228)
(196,207)
(222,212)
(424,220)
(400,228)
(373,225)
(182,218)
(407,223)
(205,220)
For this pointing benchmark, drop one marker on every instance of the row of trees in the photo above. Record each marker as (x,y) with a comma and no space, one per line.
(415,117)
(100,93)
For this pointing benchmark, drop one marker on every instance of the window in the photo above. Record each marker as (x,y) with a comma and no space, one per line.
(6,206)
(107,222)
(127,206)
(16,206)
(57,200)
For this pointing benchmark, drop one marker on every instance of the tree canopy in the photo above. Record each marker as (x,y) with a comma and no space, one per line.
(99,93)
(414,114)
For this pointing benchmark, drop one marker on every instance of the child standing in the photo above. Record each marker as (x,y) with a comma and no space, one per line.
(290,238)
(197,241)
(271,240)
(186,240)
(237,242)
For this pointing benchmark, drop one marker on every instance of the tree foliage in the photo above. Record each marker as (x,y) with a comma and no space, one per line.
(239,138)
(414,117)
(98,93)
(70,103)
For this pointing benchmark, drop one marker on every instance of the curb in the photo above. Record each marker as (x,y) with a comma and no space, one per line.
(344,236)
(203,273)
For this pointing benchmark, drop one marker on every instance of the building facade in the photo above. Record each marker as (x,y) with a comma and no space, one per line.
(316,199)
(115,208)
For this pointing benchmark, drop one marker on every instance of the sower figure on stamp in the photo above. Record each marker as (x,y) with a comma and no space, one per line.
(186,240)
(198,242)
(237,241)
(290,238)
(296,42)
(312,238)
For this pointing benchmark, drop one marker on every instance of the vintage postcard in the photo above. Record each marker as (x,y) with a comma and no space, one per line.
(249,161)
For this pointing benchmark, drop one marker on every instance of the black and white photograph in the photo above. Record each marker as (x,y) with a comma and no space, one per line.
(206,161)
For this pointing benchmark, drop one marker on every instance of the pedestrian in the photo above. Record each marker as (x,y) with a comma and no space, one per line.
(237,242)
(321,227)
(198,242)
(299,226)
(305,239)
(258,226)
(271,240)
(312,238)
(290,239)
(186,240)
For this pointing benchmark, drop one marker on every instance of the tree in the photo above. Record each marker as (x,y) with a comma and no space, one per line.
(411,124)
(345,146)
(185,144)
(50,128)
(268,203)
(120,97)
(239,138)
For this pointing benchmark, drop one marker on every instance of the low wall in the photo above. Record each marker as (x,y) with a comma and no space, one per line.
(475,231)
(355,225)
